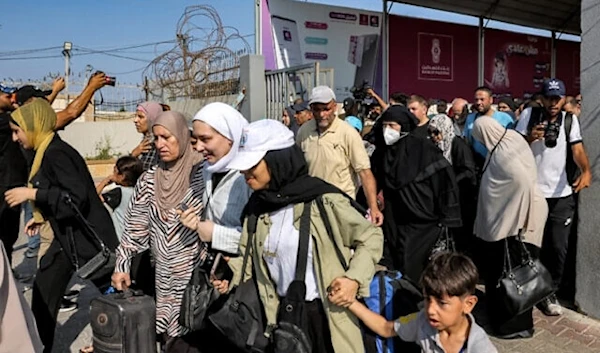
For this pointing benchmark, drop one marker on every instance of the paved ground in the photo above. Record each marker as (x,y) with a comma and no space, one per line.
(571,332)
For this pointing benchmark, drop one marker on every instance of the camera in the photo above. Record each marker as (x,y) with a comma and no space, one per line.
(110,80)
(362,99)
(551,132)
(360,92)
(551,128)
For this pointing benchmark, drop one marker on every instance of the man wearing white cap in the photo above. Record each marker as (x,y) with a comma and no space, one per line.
(335,152)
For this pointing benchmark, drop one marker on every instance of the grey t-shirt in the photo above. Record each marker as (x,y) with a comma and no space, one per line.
(416,328)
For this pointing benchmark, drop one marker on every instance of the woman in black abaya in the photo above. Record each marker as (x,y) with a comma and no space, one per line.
(420,192)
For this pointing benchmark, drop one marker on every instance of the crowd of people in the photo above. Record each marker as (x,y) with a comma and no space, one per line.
(358,193)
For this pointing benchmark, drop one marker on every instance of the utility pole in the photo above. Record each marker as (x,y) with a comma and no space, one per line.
(183,44)
(258,27)
(67,53)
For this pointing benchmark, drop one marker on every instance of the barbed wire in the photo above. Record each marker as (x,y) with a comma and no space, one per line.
(206,52)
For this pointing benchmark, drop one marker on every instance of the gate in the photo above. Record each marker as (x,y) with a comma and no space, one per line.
(286,85)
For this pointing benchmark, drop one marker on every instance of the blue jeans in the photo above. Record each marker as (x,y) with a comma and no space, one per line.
(34,241)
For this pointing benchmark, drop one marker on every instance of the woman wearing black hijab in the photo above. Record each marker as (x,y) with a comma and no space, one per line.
(420,192)
(274,167)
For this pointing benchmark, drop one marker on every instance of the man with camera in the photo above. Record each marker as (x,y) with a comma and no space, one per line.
(563,169)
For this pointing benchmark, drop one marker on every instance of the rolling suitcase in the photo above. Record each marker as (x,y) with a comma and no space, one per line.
(123,323)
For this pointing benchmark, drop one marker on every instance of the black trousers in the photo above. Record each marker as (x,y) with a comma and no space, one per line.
(494,255)
(556,236)
(318,327)
(49,286)
(9,226)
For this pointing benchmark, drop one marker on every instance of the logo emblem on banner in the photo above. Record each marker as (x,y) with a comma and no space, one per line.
(436,57)
(435,51)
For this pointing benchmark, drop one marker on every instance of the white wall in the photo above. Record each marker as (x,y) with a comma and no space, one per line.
(86,135)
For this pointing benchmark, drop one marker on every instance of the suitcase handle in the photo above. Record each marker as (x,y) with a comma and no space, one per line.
(128,293)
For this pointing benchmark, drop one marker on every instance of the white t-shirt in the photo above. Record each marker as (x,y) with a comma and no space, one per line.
(552,162)
(280,251)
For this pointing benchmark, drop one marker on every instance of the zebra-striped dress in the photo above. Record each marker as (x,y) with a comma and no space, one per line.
(176,249)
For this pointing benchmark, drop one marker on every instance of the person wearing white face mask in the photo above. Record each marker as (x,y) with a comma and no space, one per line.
(420,192)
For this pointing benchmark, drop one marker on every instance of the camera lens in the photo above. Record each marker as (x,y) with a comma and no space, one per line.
(551,135)
(111,81)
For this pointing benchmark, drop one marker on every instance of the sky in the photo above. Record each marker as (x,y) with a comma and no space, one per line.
(110,24)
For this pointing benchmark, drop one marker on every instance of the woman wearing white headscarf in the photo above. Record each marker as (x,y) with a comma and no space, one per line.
(459,154)
(510,203)
(217,129)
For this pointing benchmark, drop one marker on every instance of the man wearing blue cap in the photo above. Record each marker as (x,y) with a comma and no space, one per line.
(563,170)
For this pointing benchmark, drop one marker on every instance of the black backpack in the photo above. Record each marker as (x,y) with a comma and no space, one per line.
(536,117)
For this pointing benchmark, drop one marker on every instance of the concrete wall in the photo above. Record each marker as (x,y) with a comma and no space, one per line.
(189,107)
(588,249)
(252,78)
(84,137)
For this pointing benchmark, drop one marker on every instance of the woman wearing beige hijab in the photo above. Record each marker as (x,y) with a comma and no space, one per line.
(152,222)
(510,203)
(57,171)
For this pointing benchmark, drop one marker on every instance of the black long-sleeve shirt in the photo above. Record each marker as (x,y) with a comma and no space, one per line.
(13,166)
(62,171)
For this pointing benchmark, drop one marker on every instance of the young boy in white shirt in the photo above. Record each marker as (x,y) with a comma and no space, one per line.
(445,325)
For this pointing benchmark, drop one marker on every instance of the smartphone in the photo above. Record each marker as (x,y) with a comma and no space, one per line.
(183,206)
(220,269)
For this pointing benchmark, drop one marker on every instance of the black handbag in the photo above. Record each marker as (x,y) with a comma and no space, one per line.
(197,298)
(241,319)
(525,285)
(290,334)
(103,263)
(199,294)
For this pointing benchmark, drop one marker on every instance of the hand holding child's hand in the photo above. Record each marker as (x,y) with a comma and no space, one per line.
(342,291)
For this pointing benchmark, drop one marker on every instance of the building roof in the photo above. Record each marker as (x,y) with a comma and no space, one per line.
(553,15)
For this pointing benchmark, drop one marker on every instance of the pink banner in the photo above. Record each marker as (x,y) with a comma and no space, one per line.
(433,59)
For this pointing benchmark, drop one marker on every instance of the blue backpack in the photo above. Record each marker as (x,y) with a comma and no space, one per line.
(391,296)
